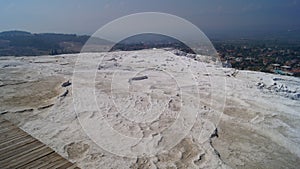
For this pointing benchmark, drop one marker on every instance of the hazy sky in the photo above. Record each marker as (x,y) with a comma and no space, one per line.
(86,16)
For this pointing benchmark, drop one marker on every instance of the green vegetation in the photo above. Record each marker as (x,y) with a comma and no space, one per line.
(19,43)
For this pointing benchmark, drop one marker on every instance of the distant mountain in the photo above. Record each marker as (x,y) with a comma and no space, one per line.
(20,43)
(14,33)
(150,40)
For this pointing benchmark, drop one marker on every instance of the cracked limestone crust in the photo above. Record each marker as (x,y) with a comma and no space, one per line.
(258,129)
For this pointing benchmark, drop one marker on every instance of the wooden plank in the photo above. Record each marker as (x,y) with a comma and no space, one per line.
(22,136)
(42,162)
(57,163)
(7,128)
(20,150)
(16,145)
(69,166)
(15,141)
(66,166)
(53,162)
(73,167)
(11,135)
(5,123)
(6,163)
(34,156)
(29,157)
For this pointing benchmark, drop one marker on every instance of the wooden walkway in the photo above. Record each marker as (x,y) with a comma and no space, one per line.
(20,150)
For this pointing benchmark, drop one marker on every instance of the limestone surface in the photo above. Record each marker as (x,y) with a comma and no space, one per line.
(153,109)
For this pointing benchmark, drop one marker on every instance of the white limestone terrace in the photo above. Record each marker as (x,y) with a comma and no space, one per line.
(153,109)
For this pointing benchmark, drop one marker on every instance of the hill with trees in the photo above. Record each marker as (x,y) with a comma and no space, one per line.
(20,43)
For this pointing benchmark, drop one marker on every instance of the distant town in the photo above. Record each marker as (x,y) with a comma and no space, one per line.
(267,56)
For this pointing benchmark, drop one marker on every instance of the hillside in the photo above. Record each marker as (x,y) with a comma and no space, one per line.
(20,43)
